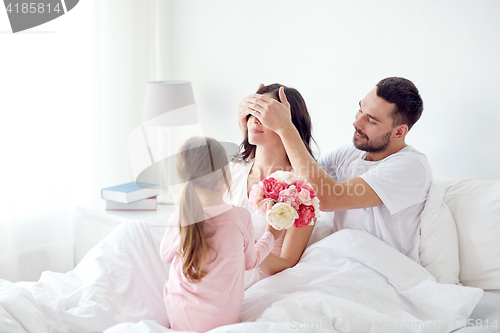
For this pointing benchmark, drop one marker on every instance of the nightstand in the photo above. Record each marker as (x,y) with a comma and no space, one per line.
(92,222)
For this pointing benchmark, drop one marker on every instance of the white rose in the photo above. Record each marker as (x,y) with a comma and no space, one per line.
(278,175)
(315,203)
(284,176)
(281,216)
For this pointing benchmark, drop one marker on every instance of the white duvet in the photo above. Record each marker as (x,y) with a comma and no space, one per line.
(347,282)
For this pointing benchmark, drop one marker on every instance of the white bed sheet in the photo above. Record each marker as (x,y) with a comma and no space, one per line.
(486,315)
(347,282)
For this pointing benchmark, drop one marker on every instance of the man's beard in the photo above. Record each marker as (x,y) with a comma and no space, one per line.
(374,146)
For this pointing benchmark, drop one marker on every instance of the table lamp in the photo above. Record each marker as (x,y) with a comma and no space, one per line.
(169,118)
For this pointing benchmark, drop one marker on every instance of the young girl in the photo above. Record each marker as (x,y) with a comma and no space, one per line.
(208,243)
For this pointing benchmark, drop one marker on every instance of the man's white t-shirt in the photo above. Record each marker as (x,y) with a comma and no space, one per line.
(401,181)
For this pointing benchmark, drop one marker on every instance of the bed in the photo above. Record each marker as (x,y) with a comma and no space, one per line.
(348,281)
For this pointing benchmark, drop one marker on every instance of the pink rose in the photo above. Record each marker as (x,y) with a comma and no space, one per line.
(310,189)
(272,188)
(304,197)
(306,215)
(265,205)
(290,196)
(256,195)
(300,183)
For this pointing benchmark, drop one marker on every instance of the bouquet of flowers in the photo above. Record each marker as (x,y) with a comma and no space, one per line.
(285,199)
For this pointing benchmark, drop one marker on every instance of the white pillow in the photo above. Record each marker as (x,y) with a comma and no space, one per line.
(438,238)
(475,205)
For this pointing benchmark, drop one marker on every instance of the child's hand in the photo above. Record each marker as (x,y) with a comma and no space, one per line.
(276,233)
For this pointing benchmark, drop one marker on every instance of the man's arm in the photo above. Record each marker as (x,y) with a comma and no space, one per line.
(243,113)
(350,194)
(333,195)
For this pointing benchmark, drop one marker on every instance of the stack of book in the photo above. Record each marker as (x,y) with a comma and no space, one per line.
(130,196)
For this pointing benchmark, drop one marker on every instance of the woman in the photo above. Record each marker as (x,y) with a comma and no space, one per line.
(261,154)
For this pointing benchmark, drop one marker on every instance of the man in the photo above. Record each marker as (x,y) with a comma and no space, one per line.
(379,184)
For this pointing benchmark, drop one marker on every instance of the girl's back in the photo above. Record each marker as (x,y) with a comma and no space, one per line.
(215,300)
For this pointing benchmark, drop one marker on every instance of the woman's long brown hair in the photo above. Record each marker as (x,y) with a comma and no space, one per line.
(202,163)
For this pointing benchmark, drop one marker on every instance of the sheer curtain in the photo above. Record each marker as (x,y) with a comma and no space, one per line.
(71,91)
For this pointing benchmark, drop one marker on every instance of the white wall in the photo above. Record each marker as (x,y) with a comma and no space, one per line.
(47,140)
(334,52)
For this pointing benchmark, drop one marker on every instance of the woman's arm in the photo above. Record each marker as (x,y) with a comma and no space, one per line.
(294,244)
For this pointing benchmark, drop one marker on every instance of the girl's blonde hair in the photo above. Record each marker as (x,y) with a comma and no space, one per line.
(202,164)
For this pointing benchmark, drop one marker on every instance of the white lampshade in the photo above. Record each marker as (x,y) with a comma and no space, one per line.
(169,118)
(169,103)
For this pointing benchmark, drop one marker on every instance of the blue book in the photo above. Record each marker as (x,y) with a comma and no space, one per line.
(130,192)
(146,204)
